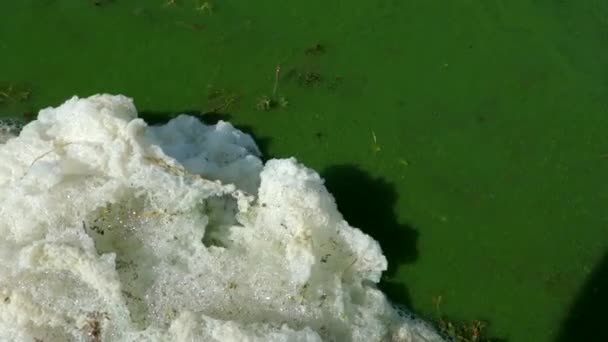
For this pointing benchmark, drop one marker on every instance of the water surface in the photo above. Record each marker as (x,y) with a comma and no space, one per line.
(469,137)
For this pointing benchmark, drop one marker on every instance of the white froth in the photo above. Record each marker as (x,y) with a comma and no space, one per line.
(111,230)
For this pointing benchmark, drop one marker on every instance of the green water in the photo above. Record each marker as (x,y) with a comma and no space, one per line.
(486,180)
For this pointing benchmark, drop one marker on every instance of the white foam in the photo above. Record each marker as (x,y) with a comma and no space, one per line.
(111,230)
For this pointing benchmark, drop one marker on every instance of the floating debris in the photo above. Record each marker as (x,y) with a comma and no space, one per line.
(335,82)
(13,93)
(206,7)
(315,50)
(473,331)
(267,103)
(93,325)
(309,78)
(100,3)
(220,100)
(375,146)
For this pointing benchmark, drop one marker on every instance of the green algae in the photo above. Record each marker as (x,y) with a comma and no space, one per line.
(499,109)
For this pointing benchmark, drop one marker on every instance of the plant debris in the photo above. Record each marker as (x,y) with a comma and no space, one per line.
(206,7)
(472,331)
(315,50)
(100,3)
(93,325)
(220,100)
(267,103)
(14,94)
(309,78)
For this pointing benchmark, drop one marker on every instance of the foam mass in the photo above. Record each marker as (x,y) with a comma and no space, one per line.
(113,230)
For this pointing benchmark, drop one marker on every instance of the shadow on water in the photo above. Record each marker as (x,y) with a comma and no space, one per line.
(587,316)
(160,118)
(368,204)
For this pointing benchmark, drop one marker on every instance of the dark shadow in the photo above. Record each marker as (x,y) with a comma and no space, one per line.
(585,321)
(262,142)
(209,118)
(368,204)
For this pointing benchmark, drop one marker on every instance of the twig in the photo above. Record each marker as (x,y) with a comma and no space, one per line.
(276,81)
